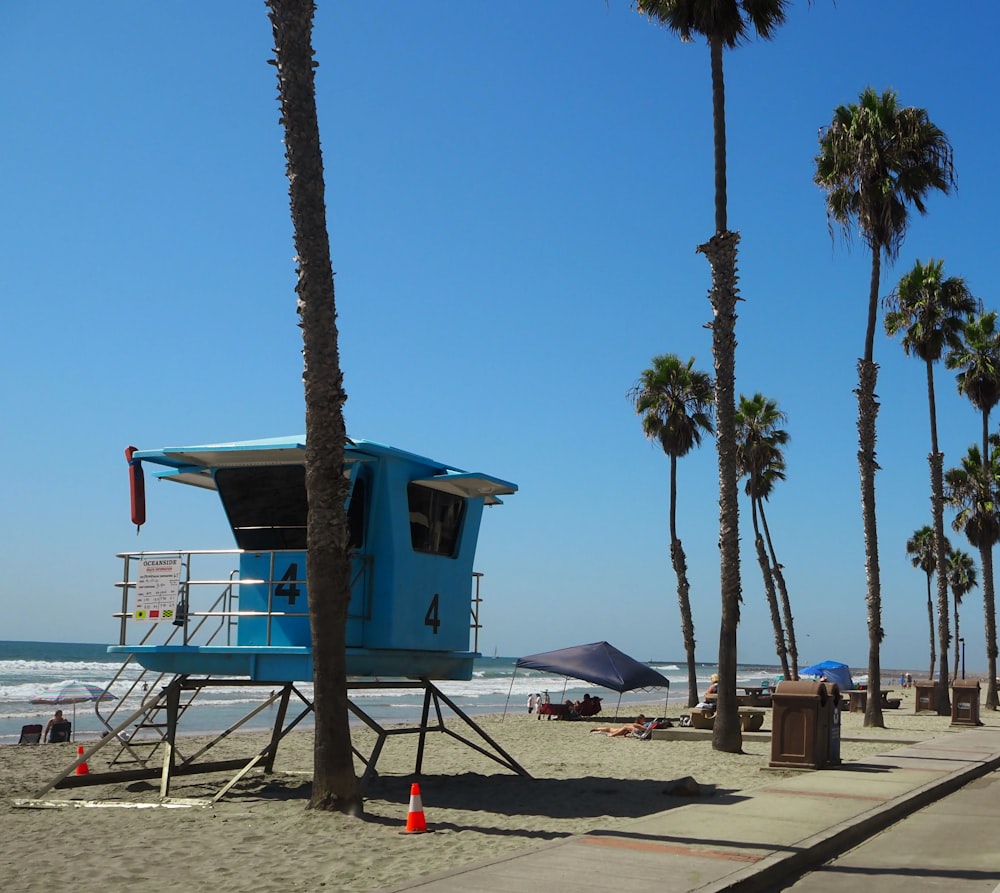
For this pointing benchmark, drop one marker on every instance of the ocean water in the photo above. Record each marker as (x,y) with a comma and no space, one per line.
(495,687)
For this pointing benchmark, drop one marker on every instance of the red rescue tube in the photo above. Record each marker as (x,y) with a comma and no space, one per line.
(137,488)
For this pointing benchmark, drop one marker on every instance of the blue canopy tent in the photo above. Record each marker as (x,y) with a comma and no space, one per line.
(834,672)
(600,664)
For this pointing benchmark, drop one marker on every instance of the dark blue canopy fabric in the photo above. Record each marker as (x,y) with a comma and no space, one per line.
(600,664)
(833,670)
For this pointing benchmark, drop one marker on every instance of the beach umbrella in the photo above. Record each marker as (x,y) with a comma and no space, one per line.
(599,663)
(834,670)
(71,691)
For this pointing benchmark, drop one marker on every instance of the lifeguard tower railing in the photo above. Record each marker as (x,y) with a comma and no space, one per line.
(207,601)
(208,612)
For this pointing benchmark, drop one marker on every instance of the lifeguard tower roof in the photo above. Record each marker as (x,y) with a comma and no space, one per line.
(413,524)
(195,465)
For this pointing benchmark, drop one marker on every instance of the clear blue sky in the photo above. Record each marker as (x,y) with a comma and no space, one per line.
(515,193)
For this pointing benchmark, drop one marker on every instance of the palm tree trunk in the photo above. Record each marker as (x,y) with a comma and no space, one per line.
(986,441)
(930,620)
(721,253)
(786,605)
(719,135)
(989,602)
(954,595)
(989,610)
(942,699)
(679,562)
(942,702)
(867,415)
(770,594)
(335,785)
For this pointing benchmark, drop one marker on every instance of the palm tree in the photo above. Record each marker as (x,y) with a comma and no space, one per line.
(767,481)
(930,311)
(920,549)
(725,24)
(876,159)
(335,785)
(962,580)
(977,357)
(675,402)
(974,490)
(978,362)
(759,440)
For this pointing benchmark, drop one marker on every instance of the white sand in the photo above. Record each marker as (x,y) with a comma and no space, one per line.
(261,837)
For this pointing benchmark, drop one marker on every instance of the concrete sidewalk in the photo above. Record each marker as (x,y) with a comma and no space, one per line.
(745,842)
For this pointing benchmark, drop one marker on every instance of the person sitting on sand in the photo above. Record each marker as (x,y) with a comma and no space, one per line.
(621,731)
(57,718)
(589,706)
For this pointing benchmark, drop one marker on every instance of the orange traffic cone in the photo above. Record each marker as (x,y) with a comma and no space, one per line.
(83,768)
(415,822)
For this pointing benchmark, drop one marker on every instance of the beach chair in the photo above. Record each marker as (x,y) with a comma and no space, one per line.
(31,734)
(60,732)
(647,733)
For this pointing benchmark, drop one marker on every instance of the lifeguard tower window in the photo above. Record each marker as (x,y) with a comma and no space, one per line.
(268,510)
(435,520)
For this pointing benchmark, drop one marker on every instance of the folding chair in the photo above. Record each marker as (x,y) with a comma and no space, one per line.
(31,734)
(60,732)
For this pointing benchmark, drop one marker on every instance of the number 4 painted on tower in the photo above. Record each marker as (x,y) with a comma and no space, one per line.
(431,618)
(288,587)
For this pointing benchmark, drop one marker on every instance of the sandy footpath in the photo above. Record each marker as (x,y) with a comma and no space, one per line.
(261,837)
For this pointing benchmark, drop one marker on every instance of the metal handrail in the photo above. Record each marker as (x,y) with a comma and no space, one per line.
(222,607)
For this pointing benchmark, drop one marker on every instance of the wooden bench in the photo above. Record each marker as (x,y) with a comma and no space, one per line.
(702,719)
(751,720)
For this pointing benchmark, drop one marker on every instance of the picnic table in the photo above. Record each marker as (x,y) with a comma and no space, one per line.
(756,695)
(858,699)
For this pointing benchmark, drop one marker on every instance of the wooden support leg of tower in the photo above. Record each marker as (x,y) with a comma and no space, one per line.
(279,721)
(423,728)
(173,697)
(507,760)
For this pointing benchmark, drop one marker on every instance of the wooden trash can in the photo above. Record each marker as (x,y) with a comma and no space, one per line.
(965,702)
(803,725)
(923,697)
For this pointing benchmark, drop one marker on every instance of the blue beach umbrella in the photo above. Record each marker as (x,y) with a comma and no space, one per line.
(71,691)
(834,670)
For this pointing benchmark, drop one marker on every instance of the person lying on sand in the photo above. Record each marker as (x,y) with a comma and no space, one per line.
(621,731)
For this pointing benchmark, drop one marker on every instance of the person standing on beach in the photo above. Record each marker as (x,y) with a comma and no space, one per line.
(531,702)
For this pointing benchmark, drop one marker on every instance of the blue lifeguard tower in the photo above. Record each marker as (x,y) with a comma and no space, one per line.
(413,524)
